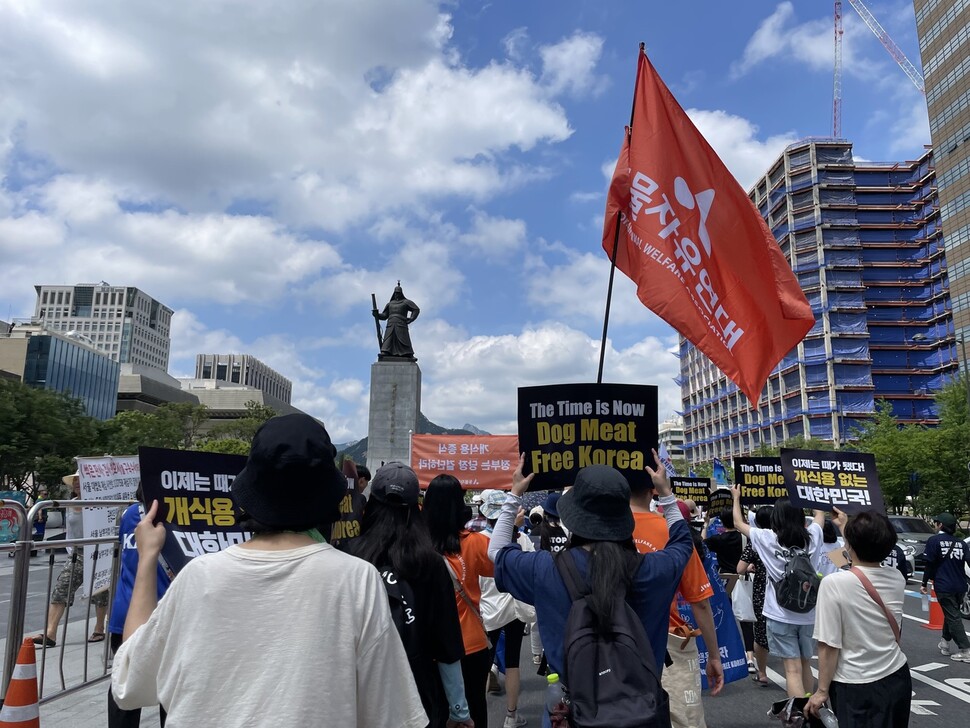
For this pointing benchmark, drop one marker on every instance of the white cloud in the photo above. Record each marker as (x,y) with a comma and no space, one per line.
(810,43)
(475,379)
(515,43)
(735,139)
(494,237)
(569,66)
(324,112)
(91,231)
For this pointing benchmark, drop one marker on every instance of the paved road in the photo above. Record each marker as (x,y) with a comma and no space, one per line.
(37,593)
(941,686)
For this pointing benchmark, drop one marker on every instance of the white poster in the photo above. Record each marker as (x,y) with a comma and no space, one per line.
(107,478)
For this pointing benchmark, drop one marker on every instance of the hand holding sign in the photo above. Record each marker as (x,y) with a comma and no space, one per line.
(149,535)
(520,483)
(659,478)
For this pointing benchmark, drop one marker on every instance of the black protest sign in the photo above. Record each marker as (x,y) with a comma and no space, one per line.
(695,489)
(566,427)
(760,479)
(720,499)
(195,505)
(823,479)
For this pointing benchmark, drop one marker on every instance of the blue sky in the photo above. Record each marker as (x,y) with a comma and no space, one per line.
(262,168)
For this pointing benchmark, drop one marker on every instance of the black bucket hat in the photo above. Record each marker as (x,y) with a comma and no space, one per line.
(597,507)
(290,480)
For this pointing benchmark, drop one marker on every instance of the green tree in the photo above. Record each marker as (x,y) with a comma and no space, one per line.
(245,427)
(41,432)
(942,455)
(228,445)
(174,426)
(893,445)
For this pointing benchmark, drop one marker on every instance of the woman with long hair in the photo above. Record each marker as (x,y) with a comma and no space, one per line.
(789,633)
(466,558)
(395,539)
(596,510)
(751,563)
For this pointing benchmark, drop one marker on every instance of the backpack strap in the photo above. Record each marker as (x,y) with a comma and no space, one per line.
(576,585)
(871,590)
(460,591)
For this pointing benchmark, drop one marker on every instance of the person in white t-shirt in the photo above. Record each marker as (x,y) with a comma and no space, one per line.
(861,668)
(789,633)
(281,630)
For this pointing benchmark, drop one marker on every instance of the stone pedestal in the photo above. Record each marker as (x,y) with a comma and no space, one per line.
(395,402)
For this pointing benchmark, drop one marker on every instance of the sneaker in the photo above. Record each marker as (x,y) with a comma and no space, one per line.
(537,659)
(514,720)
(961,656)
(945,647)
(493,687)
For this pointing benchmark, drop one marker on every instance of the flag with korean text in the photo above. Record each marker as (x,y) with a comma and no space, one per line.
(701,255)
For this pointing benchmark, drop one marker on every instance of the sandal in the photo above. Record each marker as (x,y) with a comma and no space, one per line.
(96,637)
(43,639)
(763,683)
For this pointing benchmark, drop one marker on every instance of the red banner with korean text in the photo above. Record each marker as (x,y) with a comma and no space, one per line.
(478,461)
(700,253)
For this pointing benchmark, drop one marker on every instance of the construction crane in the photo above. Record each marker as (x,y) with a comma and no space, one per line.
(894,50)
(837,90)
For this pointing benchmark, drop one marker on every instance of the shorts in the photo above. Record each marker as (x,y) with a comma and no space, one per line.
(514,631)
(790,641)
(69,581)
(682,681)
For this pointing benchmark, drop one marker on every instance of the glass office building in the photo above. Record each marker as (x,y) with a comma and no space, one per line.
(62,365)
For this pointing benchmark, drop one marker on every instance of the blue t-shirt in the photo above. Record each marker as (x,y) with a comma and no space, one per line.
(945,567)
(127,570)
(533,578)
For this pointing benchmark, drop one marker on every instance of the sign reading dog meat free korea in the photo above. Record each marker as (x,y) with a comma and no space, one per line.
(821,479)
(760,479)
(694,489)
(566,427)
(478,461)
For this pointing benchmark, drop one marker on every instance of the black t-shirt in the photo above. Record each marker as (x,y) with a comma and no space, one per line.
(727,547)
(343,532)
(552,537)
(439,637)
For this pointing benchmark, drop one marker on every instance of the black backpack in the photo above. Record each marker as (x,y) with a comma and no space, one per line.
(611,679)
(400,599)
(797,591)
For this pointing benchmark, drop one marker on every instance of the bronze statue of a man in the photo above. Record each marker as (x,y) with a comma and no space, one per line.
(399,313)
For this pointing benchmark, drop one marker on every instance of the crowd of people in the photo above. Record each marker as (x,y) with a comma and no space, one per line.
(431,600)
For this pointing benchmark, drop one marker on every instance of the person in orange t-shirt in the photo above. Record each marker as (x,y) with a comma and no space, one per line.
(466,556)
(682,678)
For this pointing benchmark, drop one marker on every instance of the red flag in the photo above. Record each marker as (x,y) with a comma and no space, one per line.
(700,253)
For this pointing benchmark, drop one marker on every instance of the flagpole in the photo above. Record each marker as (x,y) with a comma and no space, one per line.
(616,237)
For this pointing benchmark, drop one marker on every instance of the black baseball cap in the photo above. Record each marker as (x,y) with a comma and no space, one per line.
(395,484)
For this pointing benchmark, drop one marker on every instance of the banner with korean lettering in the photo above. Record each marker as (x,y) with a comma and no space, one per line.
(478,461)
(760,479)
(695,489)
(699,251)
(823,479)
(105,478)
(195,504)
(565,427)
(10,518)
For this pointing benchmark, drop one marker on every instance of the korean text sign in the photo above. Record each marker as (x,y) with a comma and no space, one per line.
(760,479)
(566,427)
(478,461)
(822,479)
(106,478)
(10,518)
(196,507)
(695,489)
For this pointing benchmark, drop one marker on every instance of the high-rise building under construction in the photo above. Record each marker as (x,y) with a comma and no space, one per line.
(866,245)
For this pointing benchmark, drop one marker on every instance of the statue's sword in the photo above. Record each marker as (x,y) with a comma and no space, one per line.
(377,323)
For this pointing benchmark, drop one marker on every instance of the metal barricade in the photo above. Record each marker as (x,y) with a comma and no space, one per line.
(74,668)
